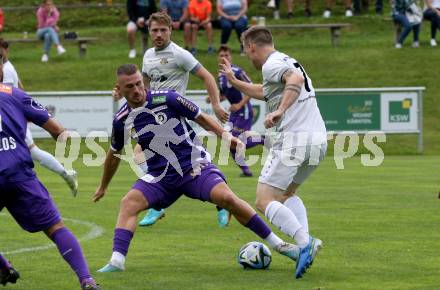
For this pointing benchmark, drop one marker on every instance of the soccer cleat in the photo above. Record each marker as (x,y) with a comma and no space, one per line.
(132,53)
(109,268)
(72,181)
(9,275)
(306,256)
(89,284)
(317,246)
(152,217)
(289,250)
(223,217)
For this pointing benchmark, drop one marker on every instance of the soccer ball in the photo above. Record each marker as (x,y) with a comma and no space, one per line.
(254,255)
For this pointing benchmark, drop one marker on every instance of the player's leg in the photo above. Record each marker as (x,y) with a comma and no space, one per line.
(131,37)
(49,161)
(7,273)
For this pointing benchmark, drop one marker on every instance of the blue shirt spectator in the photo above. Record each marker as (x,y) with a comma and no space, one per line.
(174,8)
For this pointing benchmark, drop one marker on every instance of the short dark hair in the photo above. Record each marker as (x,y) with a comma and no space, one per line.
(3,43)
(259,35)
(127,69)
(160,17)
(225,48)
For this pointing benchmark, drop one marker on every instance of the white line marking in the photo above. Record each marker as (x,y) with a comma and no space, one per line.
(94,232)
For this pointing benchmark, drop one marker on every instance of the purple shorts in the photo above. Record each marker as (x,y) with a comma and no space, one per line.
(239,124)
(197,186)
(29,204)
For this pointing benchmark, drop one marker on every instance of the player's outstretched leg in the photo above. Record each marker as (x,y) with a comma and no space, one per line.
(152,216)
(222,195)
(7,273)
(71,252)
(131,205)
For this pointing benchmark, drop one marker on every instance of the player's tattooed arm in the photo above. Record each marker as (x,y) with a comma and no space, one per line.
(252,90)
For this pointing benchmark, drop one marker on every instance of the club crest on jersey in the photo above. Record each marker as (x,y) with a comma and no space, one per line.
(163,61)
(161,118)
(37,106)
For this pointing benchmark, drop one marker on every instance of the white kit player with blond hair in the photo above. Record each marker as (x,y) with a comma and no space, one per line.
(300,138)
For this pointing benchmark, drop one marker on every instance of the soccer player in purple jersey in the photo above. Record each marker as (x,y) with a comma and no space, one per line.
(241,109)
(178,164)
(25,197)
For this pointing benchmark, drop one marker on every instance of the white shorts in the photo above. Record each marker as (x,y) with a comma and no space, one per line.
(291,165)
(29,140)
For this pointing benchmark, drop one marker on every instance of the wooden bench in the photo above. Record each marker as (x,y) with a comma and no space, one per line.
(335,28)
(81,41)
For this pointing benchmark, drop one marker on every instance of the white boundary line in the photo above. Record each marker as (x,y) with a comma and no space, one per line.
(94,232)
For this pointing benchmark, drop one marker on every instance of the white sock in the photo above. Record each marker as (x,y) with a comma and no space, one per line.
(285,220)
(296,205)
(118,260)
(47,160)
(273,240)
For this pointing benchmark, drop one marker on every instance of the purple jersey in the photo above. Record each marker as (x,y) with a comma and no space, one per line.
(233,95)
(16,109)
(169,143)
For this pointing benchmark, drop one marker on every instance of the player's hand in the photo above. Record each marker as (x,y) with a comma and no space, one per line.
(226,69)
(116,94)
(273,118)
(234,108)
(99,193)
(221,114)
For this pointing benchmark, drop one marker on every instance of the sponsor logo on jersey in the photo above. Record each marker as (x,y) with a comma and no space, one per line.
(163,61)
(158,100)
(190,106)
(5,89)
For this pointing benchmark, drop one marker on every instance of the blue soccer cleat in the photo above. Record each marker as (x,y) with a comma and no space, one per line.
(109,268)
(223,217)
(306,256)
(152,217)
(9,275)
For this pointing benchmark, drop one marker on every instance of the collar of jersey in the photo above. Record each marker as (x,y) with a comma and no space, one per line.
(169,43)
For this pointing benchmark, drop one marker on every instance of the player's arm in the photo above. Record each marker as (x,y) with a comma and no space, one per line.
(210,125)
(20,85)
(293,83)
(55,129)
(252,90)
(111,165)
(211,87)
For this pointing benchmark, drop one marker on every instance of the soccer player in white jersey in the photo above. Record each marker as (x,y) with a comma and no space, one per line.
(167,66)
(300,137)
(46,159)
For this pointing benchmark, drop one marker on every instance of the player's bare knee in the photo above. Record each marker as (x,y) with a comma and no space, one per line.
(229,200)
(129,205)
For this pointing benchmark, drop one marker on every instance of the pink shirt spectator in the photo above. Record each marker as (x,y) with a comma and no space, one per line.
(47,19)
(1,19)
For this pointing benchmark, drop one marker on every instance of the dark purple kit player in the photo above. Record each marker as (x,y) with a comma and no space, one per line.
(177,163)
(241,109)
(21,193)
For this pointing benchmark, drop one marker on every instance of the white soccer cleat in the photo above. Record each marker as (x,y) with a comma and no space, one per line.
(60,49)
(72,181)
(433,42)
(132,53)
(289,250)
(327,14)
(45,58)
(348,13)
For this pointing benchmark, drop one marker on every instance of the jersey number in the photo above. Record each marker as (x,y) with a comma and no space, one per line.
(306,83)
(1,126)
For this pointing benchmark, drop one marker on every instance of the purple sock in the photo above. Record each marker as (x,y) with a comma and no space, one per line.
(249,143)
(121,241)
(4,264)
(70,250)
(258,226)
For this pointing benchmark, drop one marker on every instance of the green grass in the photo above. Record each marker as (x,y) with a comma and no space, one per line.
(379,226)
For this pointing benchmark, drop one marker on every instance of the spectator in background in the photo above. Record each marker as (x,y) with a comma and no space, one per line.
(399,8)
(138,13)
(232,16)
(200,16)
(277,3)
(178,11)
(432,13)
(362,5)
(330,3)
(1,20)
(47,17)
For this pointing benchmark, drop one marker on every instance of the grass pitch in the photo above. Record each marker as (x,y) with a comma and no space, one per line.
(379,226)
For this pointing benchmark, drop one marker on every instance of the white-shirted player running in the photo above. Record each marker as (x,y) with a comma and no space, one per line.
(300,138)
(46,159)
(167,66)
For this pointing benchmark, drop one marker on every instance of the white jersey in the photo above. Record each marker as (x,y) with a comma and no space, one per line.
(436,4)
(303,116)
(10,75)
(169,68)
